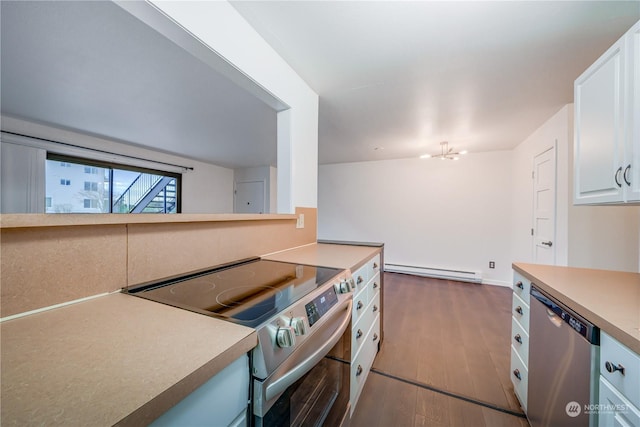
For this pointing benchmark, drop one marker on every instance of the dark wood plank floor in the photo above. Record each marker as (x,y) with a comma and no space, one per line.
(451,336)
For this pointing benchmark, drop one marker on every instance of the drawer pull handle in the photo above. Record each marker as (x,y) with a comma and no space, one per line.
(611,368)
(359,333)
(617,177)
(519,310)
(375,265)
(375,336)
(360,280)
(624,175)
(359,305)
(518,338)
(358,371)
(516,372)
(375,308)
(520,285)
(375,285)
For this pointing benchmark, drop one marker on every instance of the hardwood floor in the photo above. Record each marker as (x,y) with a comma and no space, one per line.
(445,359)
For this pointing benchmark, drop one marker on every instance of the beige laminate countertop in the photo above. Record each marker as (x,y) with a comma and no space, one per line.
(8,221)
(327,255)
(608,299)
(114,359)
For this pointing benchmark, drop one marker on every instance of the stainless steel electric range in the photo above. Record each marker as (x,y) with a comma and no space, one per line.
(301,313)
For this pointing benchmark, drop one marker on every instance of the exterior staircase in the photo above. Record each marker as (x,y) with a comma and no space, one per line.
(148,193)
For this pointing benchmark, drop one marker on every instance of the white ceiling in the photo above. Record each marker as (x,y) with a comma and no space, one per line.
(403,76)
(393,75)
(93,67)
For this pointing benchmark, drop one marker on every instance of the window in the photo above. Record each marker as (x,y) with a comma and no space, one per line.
(112,188)
(47,202)
(90,203)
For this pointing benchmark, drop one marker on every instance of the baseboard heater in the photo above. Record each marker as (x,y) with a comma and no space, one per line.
(438,273)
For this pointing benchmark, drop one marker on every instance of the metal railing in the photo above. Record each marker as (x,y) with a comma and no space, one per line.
(134,194)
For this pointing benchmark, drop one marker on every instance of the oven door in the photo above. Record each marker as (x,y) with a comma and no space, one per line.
(311,388)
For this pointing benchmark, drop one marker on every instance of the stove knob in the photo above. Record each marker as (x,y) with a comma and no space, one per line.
(285,336)
(343,287)
(298,325)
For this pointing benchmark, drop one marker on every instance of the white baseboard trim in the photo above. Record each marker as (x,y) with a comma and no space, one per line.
(496,283)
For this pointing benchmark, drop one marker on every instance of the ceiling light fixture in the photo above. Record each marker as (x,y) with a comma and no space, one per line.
(446,153)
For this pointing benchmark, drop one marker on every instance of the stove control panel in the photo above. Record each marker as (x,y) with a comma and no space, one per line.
(321,304)
(294,326)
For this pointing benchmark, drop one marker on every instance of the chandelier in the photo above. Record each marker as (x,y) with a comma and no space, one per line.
(446,153)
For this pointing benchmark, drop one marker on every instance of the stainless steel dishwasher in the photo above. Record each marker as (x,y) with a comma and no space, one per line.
(563,361)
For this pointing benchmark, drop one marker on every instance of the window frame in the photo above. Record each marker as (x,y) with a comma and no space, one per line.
(112,165)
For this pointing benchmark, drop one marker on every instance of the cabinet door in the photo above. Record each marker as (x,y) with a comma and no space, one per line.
(599,133)
(614,410)
(632,160)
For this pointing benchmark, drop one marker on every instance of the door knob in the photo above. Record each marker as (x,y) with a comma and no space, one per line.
(549,243)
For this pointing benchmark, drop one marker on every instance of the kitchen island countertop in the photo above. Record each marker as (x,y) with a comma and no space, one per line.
(345,256)
(114,359)
(608,299)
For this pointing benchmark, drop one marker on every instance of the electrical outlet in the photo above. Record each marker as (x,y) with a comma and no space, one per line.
(300,222)
(492,264)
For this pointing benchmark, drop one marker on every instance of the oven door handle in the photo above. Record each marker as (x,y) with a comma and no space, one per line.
(294,374)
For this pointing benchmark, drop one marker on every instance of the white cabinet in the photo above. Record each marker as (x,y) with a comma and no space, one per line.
(607,126)
(221,401)
(619,394)
(520,337)
(366,323)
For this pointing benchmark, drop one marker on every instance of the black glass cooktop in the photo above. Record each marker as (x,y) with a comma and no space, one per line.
(247,293)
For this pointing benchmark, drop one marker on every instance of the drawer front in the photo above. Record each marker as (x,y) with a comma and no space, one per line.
(520,341)
(614,410)
(373,266)
(520,312)
(360,330)
(374,305)
(360,302)
(617,355)
(373,288)
(361,364)
(519,378)
(522,287)
(361,279)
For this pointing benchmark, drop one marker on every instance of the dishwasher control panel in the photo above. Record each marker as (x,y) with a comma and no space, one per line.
(559,313)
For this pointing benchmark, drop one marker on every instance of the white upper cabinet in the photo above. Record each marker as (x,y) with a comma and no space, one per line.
(607,126)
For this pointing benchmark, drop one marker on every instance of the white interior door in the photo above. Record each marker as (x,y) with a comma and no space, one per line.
(544,207)
(249,197)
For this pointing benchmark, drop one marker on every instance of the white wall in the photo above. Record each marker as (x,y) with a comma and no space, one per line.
(461,215)
(205,189)
(223,29)
(432,213)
